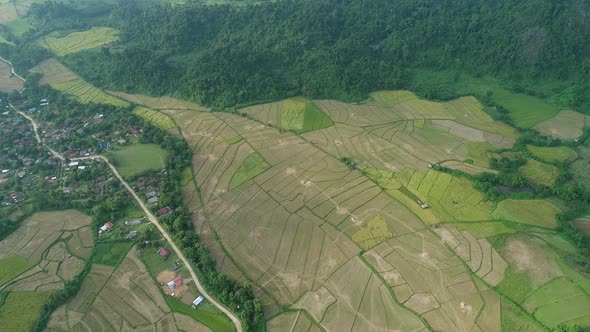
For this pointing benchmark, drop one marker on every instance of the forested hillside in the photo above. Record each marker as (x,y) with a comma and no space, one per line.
(223,55)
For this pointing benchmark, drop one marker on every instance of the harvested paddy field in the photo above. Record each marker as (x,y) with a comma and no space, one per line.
(348,248)
(77,41)
(121,298)
(9,82)
(61,78)
(48,249)
(158,103)
(157,119)
(565,125)
(138,158)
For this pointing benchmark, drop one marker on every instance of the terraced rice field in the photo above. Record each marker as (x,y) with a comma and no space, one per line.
(21,310)
(349,249)
(156,118)
(532,212)
(8,82)
(560,154)
(539,173)
(80,40)
(122,298)
(48,250)
(544,286)
(565,125)
(61,78)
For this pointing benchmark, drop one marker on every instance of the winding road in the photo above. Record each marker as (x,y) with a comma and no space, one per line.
(151,218)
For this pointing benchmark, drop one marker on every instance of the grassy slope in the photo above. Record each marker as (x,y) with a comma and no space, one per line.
(21,310)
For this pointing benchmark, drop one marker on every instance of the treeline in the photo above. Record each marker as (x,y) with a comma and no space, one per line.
(238,298)
(223,55)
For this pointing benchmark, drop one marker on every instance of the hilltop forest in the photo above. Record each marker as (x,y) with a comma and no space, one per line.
(226,55)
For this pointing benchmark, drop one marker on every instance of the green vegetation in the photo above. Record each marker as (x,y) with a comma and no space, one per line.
(540,173)
(253,166)
(78,41)
(111,253)
(514,320)
(13,266)
(474,38)
(302,115)
(525,111)
(451,198)
(559,154)
(156,118)
(138,158)
(4,41)
(21,310)
(532,212)
(234,140)
(206,314)
(485,229)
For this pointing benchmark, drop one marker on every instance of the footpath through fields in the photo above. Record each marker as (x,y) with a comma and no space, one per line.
(151,218)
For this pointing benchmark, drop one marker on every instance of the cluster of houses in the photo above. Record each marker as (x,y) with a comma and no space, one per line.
(106,227)
(14,198)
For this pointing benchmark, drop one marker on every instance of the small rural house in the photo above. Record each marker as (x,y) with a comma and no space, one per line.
(131,235)
(164,211)
(152,200)
(164,253)
(198,301)
(172,284)
(133,222)
(105,228)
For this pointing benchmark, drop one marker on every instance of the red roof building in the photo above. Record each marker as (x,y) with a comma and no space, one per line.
(164,210)
(163,252)
(109,224)
(178,282)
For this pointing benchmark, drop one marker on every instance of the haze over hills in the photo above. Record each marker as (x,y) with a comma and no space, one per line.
(295,165)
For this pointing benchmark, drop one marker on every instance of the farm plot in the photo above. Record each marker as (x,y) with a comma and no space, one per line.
(41,252)
(539,173)
(533,212)
(253,166)
(138,158)
(450,197)
(61,78)
(296,229)
(565,125)
(296,114)
(544,286)
(479,255)
(8,82)
(78,41)
(525,111)
(292,321)
(560,154)
(158,103)
(430,280)
(21,310)
(467,168)
(123,299)
(156,118)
